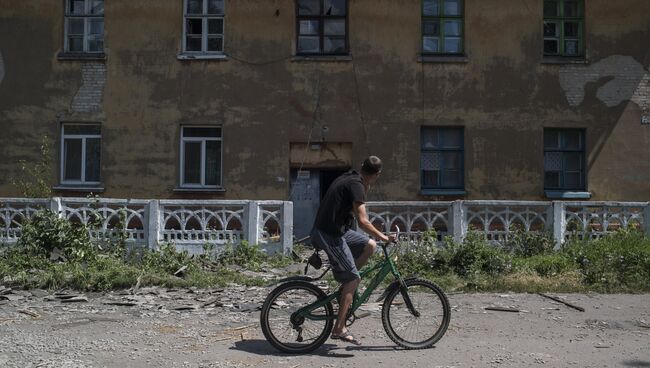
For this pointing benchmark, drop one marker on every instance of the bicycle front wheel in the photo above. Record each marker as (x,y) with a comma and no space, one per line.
(285,330)
(427,326)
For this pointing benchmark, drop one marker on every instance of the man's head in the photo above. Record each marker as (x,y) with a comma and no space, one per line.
(371,168)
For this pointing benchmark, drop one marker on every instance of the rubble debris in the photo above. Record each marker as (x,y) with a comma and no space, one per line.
(121,303)
(181,271)
(563,302)
(29,313)
(502,309)
(75,299)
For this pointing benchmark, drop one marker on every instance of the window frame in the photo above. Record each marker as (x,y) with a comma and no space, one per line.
(321,29)
(83,138)
(86,16)
(561,19)
(582,150)
(461,150)
(441,17)
(205,17)
(203,141)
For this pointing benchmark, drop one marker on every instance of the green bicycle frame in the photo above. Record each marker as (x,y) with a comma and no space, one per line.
(385,267)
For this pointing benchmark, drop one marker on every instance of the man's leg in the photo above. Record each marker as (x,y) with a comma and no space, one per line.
(344,270)
(361,246)
(368,251)
(345,301)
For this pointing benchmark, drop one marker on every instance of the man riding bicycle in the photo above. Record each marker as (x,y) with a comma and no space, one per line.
(347,250)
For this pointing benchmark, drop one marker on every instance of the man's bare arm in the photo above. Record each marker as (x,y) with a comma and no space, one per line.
(366,225)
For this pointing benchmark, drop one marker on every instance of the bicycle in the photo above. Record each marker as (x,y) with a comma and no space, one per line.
(306,321)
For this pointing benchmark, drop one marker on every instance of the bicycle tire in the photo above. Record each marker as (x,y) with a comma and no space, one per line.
(266,308)
(436,336)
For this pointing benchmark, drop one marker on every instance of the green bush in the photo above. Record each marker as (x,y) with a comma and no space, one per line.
(616,262)
(529,243)
(46,233)
(475,255)
(544,265)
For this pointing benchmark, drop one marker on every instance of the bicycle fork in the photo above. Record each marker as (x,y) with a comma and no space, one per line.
(407,299)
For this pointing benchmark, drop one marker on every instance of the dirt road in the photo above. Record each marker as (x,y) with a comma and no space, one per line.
(220,328)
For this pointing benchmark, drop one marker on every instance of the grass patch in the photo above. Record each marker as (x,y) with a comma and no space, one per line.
(53,253)
(617,263)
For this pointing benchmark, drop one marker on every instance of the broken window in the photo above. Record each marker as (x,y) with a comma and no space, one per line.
(201,157)
(564,28)
(203,26)
(322,27)
(442,27)
(441,158)
(564,159)
(84,26)
(80,153)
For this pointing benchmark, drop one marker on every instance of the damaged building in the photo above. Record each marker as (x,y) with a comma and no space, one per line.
(272,99)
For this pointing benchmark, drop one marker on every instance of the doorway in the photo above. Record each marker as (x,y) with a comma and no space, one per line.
(308,187)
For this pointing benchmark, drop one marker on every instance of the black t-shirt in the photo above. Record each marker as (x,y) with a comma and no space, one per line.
(334,215)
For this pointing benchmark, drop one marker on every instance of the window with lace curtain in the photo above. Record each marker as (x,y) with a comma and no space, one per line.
(564,159)
(441,158)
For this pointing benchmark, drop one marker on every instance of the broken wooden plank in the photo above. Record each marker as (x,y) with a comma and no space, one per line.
(29,313)
(563,302)
(502,309)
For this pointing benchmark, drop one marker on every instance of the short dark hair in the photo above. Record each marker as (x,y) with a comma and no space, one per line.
(371,165)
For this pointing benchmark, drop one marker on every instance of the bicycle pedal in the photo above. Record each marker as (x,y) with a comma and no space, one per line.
(362,315)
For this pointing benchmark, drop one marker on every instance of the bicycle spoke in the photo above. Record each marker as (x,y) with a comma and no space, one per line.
(414,330)
(305,332)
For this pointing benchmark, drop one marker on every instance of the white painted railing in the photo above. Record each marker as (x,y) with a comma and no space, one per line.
(189,224)
(497,219)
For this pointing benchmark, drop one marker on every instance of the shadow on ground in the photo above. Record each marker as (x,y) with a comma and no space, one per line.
(636,363)
(262,347)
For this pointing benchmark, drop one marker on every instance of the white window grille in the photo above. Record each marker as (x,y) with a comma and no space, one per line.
(201,158)
(80,154)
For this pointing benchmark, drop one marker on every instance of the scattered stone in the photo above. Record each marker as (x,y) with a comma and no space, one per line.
(213,301)
(248,307)
(184,307)
(12,297)
(39,293)
(4,290)
(75,299)
(120,303)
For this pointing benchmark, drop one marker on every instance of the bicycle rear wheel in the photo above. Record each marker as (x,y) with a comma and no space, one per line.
(416,332)
(287,332)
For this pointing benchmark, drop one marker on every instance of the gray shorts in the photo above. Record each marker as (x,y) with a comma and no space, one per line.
(341,252)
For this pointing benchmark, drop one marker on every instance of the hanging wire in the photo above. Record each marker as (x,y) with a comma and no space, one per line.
(358,101)
(314,120)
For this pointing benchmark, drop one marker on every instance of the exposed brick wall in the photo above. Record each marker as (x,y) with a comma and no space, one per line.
(90,96)
(629,81)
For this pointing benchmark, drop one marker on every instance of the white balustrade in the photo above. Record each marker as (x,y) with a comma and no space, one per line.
(191,224)
(188,224)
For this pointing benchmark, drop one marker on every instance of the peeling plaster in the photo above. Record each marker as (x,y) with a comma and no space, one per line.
(629,80)
(90,95)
